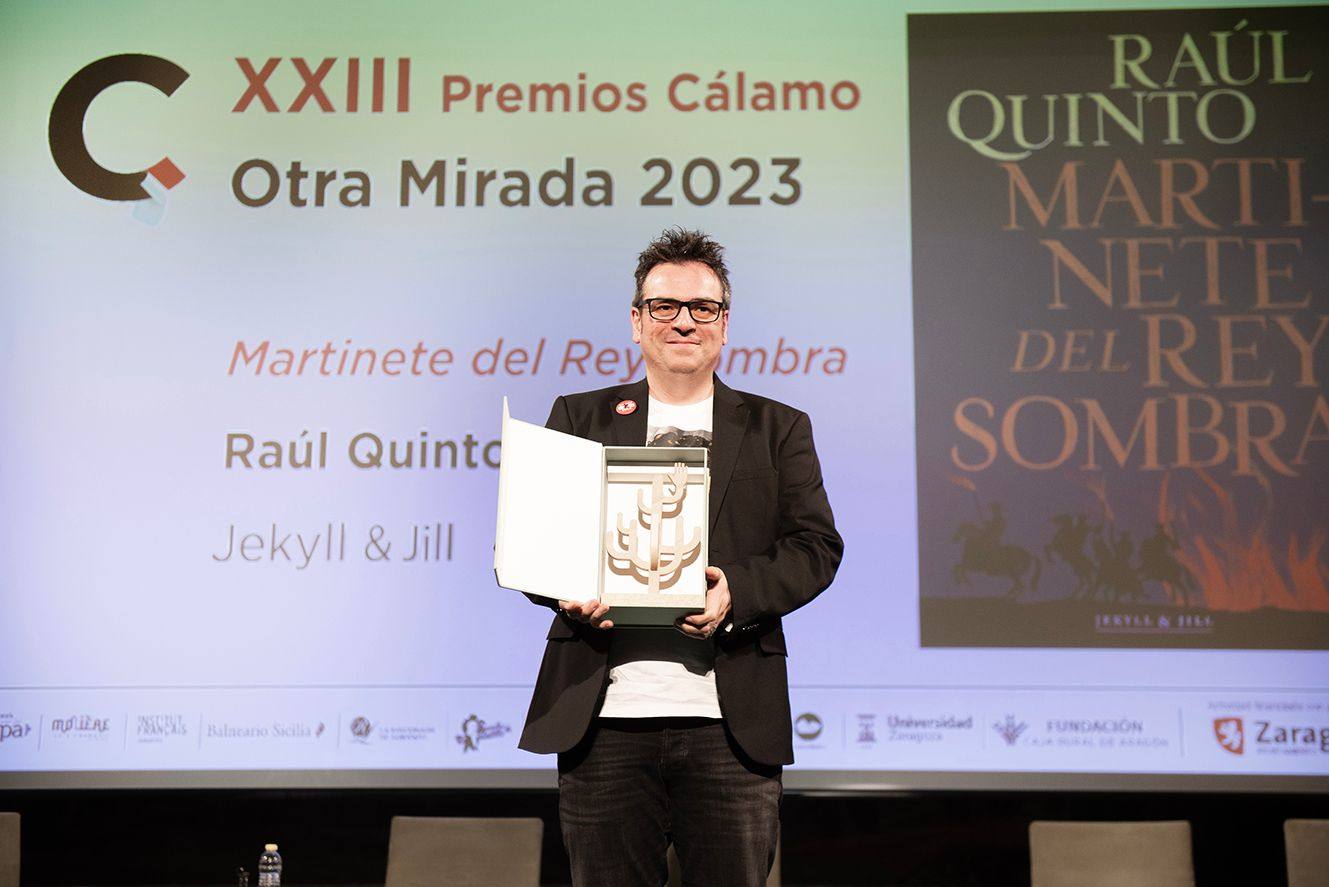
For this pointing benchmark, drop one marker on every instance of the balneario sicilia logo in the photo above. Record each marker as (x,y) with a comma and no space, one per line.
(147,188)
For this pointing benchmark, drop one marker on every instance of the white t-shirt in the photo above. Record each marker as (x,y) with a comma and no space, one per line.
(661,672)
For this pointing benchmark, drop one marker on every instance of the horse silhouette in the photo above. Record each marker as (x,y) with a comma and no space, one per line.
(1114,575)
(1068,545)
(980,553)
(1158,565)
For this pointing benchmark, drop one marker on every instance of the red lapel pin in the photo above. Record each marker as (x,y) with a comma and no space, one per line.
(626,407)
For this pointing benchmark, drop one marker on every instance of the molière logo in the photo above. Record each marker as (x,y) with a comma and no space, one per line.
(80,726)
(65,128)
(1231,735)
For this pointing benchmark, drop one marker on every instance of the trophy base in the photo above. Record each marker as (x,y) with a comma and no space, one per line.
(626,612)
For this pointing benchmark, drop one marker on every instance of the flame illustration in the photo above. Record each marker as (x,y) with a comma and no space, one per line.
(963,483)
(1242,570)
(1098,486)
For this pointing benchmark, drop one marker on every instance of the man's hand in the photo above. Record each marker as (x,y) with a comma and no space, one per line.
(708,622)
(592,613)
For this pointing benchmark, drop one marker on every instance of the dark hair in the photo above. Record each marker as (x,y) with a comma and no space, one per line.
(680,245)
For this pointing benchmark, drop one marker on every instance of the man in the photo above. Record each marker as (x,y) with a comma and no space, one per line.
(679,734)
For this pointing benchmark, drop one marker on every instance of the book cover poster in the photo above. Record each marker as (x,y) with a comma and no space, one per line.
(1121,299)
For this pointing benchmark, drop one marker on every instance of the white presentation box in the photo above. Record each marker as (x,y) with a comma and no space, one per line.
(627,526)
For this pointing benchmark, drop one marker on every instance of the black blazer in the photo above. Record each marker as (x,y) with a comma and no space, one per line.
(773,534)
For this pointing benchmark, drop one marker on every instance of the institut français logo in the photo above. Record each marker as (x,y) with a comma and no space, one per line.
(155,728)
(147,188)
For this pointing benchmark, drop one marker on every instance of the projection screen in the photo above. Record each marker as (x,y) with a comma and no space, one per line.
(1050,285)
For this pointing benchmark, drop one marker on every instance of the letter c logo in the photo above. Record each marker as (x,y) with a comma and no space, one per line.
(65,131)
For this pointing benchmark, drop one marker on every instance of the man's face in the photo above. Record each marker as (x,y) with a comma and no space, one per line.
(680,345)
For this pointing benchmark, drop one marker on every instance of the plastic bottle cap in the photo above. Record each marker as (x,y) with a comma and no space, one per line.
(271,848)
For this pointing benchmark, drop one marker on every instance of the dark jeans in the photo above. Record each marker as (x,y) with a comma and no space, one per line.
(633,785)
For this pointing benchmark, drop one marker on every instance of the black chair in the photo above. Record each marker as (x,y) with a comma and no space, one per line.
(8,850)
(426,851)
(1111,854)
(1307,843)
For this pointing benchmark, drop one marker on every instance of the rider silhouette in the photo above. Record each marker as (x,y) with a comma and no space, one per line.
(985,553)
(992,530)
(1068,544)
(1158,564)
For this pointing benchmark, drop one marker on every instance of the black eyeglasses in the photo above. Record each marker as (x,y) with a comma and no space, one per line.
(701,310)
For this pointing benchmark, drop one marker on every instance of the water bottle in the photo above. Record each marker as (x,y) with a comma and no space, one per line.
(269,867)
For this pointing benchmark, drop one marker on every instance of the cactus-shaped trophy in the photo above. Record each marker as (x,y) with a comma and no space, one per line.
(660,561)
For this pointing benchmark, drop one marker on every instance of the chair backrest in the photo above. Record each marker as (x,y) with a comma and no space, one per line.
(8,850)
(1307,852)
(434,851)
(676,870)
(1111,854)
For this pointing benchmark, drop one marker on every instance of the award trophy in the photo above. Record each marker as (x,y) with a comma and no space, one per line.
(578,521)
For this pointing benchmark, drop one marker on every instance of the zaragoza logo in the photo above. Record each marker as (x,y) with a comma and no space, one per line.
(65,132)
(1231,734)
